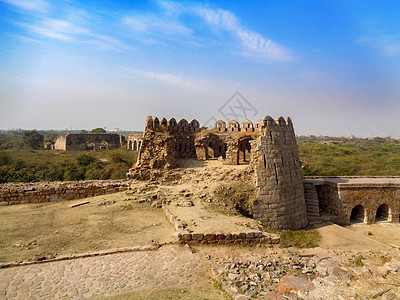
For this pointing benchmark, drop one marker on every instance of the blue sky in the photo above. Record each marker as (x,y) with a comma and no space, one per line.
(333,66)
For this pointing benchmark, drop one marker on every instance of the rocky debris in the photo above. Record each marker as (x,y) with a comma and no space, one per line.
(289,283)
(185,203)
(157,204)
(109,202)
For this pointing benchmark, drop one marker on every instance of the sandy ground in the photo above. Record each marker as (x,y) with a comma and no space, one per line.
(30,231)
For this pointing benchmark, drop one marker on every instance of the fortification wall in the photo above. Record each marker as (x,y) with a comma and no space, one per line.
(363,199)
(89,141)
(275,159)
(60,143)
(19,193)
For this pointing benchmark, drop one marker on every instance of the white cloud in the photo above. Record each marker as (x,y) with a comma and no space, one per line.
(68,32)
(31,5)
(252,41)
(168,22)
(388,44)
(171,79)
(153,23)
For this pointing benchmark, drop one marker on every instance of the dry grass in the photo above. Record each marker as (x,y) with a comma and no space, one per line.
(30,231)
(208,291)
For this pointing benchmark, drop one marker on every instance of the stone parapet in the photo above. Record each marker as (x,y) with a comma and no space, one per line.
(20,193)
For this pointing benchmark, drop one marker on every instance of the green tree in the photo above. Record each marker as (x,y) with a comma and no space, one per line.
(84,131)
(98,130)
(33,139)
(50,137)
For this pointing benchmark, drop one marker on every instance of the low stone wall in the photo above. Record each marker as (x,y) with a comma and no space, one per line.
(246,237)
(241,238)
(19,193)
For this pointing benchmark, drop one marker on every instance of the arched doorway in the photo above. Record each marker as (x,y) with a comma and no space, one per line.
(210,150)
(382,213)
(357,214)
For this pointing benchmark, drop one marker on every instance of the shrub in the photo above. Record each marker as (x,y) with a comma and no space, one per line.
(86,159)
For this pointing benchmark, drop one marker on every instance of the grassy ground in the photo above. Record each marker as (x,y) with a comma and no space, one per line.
(349,157)
(304,238)
(35,230)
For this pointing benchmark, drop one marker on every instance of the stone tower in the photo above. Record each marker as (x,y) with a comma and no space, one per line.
(280,200)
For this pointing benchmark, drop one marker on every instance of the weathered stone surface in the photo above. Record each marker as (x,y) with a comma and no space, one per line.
(88,141)
(58,191)
(290,283)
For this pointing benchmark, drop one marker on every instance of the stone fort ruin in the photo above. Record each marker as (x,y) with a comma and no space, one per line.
(269,147)
(88,141)
(284,199)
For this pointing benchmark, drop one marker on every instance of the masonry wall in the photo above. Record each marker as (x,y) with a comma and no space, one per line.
(60,143)
(89,141)
(280,202)
(370,197)
(19,193)
(337,200)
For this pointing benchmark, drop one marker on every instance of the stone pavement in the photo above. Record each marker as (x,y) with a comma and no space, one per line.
(170,266)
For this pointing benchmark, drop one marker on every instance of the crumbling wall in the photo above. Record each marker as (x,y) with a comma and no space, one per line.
(134,141)
(60,143)
(19,193)
(280,202)
(157,151)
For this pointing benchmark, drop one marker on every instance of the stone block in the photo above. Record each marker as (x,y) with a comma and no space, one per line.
(209,236)
(197,236)
(290,283)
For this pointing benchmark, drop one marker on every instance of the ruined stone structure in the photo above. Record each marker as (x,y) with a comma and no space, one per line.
(343,200)
(134,141)
(165,141)
(270,148)
(89,141)
(39,192)
(275,159)
(284,199)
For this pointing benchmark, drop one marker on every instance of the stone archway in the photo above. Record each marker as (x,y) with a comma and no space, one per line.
(357,214)
(382,213)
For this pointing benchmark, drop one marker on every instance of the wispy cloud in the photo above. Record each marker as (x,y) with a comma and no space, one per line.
(388,44)
(169,21)
(68,32)
(153,23)
(171,79)
(30,5)
(250,40)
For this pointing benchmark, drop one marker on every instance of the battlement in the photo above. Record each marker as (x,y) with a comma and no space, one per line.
(171,125)
(182,125)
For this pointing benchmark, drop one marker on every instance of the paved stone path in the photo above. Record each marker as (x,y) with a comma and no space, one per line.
(169,267)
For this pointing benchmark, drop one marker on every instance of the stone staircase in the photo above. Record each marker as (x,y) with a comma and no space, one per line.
(312,205)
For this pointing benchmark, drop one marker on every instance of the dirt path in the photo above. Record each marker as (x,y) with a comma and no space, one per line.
(337,237)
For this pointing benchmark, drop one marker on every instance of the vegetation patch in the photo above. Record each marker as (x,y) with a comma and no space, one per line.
(349,157)
(304,238)
(235,198)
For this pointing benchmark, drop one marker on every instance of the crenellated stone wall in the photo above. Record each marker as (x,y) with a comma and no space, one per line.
(20,193)
(275,159)
(270,147)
